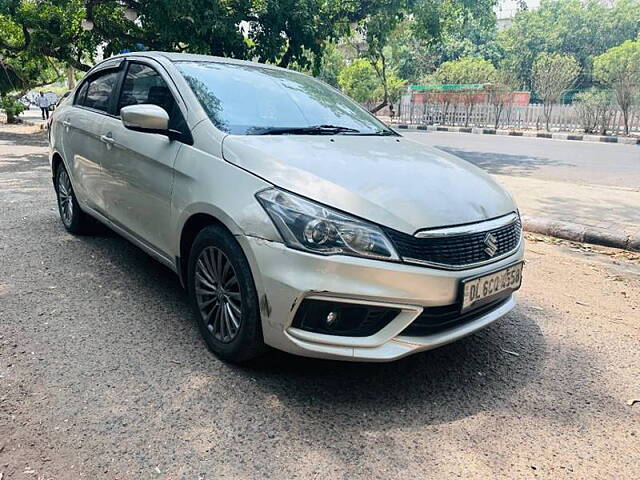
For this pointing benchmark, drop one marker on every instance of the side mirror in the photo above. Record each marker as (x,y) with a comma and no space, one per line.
(145,118)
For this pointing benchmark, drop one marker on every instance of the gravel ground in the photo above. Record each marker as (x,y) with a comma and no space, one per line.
(103,373)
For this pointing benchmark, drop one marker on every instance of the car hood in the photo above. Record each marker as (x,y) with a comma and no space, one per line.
(391,181)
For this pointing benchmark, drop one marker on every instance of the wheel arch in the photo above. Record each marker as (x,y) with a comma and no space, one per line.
(56,161)
(190,229)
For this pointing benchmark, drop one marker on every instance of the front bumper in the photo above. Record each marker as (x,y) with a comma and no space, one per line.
(284,277)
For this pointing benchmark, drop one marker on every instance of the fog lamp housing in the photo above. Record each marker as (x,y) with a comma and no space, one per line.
(341,318)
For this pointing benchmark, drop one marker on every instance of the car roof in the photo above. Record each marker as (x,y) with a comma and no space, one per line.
(190,57)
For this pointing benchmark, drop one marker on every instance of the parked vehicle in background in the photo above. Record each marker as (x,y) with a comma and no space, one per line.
(31,99)
(294,217)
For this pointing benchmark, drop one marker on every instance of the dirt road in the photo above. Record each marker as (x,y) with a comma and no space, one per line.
(103,374)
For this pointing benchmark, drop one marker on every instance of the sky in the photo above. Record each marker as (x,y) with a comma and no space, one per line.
(507,8)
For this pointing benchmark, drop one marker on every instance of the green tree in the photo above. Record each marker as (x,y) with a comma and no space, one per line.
(466,71)
(430,19)
(275,31)
(580,28)
(39,31)
(360,81)
(619,69)
(500,93)
(552,75)
(595,110)
(11,107)
(331,64)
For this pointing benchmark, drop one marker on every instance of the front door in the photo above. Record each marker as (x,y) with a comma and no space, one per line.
(138,167)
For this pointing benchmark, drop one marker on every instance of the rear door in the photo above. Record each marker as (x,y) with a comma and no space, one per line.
(83,126)
(138,167)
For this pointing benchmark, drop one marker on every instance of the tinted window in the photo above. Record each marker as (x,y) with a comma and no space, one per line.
(245,99)
(100,90)
(143,85)
(82,93)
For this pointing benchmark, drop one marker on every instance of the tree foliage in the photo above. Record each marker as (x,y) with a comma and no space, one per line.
(11,107)
(465,70)
(275,31)
(552,75)
(500,92)
(595,110)
(359,80)
(580,28)
(619,69)
(429,21)
(331,65)
(38,31)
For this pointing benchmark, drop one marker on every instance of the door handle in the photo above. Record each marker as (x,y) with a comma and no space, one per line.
(66,123)
(107,140)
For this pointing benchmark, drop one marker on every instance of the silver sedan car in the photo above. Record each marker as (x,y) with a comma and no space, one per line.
(293,217)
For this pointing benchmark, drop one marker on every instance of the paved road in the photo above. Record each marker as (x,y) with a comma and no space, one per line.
(586,183)
(556,160)
(104,376)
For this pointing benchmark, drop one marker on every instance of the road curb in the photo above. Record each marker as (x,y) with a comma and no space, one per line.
(583,233)
(519,133)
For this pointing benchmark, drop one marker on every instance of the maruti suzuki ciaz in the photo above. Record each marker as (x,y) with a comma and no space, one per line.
(292,216)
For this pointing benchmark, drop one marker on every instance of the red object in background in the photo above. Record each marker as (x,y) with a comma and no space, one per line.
(519,98)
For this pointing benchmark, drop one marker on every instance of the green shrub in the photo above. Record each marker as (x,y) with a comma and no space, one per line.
(11,107)
(595,109)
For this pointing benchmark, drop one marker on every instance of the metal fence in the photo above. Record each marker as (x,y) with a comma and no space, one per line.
(564,118)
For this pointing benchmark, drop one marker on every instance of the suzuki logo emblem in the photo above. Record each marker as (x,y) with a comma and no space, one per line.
(491,243)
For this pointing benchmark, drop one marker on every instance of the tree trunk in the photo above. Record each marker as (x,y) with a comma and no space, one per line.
(71,78)
(468,116)
(547,115)
(382,76)
(625,116)
(379,107)
(286,58)
(498,113)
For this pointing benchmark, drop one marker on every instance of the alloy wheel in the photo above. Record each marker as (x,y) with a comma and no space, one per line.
(65,197)
(218,294)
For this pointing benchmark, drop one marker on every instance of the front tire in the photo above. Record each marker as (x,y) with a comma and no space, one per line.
(73,218)
(224,297)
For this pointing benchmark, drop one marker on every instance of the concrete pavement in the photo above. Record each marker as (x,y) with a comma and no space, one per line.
(564,187)
(33,116)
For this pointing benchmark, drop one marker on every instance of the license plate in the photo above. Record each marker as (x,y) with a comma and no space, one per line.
(482,288)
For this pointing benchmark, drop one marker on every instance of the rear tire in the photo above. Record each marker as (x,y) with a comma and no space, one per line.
(224,297)
(73,218)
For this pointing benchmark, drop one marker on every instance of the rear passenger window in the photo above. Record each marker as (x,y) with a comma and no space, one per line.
(99,91)
(82,93)
(143,85)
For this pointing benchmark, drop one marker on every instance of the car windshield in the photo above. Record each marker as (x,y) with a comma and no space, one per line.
(251,100)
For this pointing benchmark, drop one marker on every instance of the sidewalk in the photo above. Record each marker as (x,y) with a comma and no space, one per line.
(591,213)
(542,134)
(33,117)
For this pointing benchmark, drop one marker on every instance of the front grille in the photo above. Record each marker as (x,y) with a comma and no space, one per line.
(456,251)
(436,319)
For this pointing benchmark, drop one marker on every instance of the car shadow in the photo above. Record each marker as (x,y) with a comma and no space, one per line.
(502,163)
(31,139)
(438,386)
(442,385)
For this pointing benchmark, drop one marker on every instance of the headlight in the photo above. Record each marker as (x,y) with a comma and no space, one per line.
(308,226)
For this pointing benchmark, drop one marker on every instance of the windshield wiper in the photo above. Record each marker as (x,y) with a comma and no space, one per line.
(380,133)
(312,130)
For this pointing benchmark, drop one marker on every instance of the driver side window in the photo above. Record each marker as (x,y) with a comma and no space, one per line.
(143,85)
